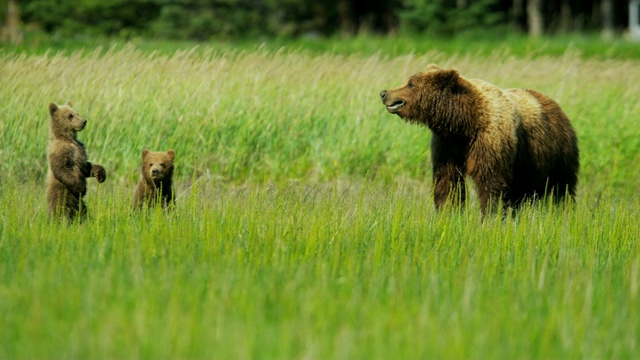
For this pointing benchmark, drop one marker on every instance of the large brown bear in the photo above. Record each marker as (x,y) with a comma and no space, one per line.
(516,144)
(156,184)
(69,167)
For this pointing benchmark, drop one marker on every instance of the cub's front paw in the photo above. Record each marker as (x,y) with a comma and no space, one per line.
(99,172)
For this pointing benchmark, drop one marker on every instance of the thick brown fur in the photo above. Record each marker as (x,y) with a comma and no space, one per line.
(156,185)
(68,164)
(516,144)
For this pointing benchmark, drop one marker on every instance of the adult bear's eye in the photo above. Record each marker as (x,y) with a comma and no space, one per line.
(70,116)
(410,85)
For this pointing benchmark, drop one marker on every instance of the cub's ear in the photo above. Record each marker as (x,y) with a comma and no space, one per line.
(172,154)
(69,103)
(52,108)
(145,152)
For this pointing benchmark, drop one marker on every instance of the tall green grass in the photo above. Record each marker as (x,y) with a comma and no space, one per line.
(332,270)
(485,43)
(305,226)
(271,115)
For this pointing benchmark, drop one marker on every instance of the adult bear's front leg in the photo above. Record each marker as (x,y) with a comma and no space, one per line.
(448,171)
(448,185)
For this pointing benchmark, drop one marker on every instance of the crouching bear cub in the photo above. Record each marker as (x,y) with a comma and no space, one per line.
(516,144)
(156,185)
(69,166)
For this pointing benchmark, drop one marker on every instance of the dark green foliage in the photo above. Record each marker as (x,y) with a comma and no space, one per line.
(91,17)
(448,17)
(201,20)
(204,20)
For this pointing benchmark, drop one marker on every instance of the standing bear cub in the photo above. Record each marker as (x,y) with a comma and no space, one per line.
(516,144)
(156,184)
(69,167)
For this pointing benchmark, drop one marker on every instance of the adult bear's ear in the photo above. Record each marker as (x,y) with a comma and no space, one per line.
(52,108)
(432,67)
(448,78)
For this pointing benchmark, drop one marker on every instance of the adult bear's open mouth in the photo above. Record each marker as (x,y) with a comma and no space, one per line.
(395,105)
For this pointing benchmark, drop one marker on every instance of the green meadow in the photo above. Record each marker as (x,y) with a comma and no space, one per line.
(304,226)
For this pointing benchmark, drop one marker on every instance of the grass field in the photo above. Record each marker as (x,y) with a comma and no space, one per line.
(304,226)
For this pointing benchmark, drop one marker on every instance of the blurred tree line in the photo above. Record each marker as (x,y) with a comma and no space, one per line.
(209,19)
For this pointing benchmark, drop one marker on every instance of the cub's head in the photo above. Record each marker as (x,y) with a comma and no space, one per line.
(157,166)
(424,95)
(65,121)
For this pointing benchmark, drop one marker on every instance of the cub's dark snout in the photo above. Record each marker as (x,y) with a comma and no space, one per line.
(383,94)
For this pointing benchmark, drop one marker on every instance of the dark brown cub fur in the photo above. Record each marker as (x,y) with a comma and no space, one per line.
(156,185)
